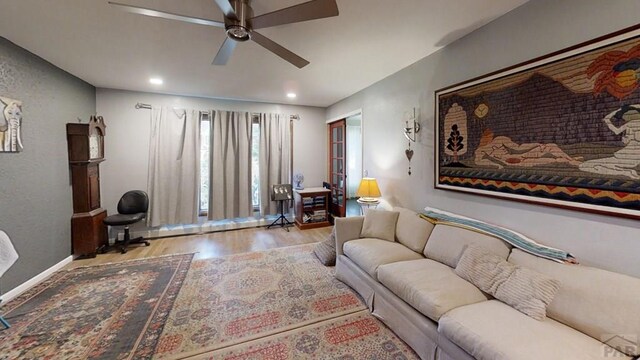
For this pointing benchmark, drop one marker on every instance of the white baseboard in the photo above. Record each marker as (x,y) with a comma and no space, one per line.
(35,280)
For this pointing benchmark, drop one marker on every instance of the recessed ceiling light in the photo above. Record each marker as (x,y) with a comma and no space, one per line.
(156,81)
(291,95)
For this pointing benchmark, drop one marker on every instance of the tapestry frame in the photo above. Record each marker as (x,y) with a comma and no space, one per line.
(524,194)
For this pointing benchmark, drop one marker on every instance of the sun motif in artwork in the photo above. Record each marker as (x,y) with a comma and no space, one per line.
(481,110)
(617,72)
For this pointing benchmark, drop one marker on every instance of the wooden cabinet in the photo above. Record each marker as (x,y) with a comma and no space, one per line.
(312,207)
(86,151)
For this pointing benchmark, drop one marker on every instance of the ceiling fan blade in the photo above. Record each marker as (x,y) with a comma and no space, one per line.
(315,9)
(227,9)
(225,52)
(166,15)
(279,50)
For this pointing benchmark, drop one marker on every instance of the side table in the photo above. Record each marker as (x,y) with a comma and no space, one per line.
(366,205)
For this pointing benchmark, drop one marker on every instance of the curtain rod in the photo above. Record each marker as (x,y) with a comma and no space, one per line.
(147,106)
(143,106)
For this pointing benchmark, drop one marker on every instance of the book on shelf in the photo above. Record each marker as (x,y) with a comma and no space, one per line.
(315,216)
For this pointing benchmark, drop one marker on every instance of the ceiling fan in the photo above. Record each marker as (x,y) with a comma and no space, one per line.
(240,24)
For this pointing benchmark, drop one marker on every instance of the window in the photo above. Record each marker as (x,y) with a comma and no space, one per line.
(205,132)
(205,156)
(255,163)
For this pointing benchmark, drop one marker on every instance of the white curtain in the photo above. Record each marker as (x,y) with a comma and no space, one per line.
(230,165)
(174,166)
(275,158)
(354,159)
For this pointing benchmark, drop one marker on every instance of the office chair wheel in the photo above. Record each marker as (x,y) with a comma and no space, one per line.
(146,243)
(123,250)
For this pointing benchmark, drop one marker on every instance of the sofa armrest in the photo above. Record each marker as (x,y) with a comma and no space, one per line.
(347,229)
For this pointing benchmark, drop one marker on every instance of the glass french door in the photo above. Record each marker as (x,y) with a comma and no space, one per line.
(337,173)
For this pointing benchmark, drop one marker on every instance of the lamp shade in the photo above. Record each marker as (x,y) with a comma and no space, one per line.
(368,188)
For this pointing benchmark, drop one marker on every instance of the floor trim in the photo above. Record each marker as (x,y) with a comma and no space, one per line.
(13,293)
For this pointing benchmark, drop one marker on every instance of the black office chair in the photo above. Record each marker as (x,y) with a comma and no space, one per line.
(132,207)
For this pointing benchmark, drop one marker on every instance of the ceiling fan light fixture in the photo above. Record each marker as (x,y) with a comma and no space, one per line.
(238,33)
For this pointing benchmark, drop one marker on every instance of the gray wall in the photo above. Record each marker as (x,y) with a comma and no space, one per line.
(35,191)
(534,29)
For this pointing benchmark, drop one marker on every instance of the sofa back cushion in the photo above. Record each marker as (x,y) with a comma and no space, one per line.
(380,224)
(599,303)
(446,244)
(412,231)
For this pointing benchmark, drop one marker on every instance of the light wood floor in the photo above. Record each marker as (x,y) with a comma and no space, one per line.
(214,244)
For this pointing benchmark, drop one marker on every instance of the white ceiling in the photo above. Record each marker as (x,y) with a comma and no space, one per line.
(370,40)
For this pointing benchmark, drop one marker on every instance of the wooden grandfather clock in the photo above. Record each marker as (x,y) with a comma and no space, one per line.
(86,151)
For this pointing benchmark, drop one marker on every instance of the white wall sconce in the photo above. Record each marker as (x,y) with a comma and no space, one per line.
(411,127)
(411,130)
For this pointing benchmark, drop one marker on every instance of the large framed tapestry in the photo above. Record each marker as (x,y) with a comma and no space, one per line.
(561,130)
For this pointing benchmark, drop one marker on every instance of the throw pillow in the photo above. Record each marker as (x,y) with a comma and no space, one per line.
(525,290)
(326,250)
(412,231)
(379,224)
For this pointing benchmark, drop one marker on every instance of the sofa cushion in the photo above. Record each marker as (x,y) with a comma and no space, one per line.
(492,330)
(447,242)
(429,286)
(326,250)
(526,290)
(368,254)
(412,230)
(380,224)
(599,303)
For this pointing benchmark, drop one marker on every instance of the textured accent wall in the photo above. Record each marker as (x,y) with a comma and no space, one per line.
(35,190)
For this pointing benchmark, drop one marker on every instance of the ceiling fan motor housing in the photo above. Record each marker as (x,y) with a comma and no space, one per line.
(239,29)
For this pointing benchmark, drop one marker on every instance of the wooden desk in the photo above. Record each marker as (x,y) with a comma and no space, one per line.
(314,211)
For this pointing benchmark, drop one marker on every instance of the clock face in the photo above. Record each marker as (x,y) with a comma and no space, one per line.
(94,147)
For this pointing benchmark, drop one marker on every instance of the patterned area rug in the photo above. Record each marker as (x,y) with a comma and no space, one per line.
(350,337)
(276,304)
(112,311)
(235,299)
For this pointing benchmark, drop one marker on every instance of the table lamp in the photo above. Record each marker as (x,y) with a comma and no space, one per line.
(368,190)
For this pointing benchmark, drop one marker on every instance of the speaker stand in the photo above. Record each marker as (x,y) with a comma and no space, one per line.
(282,220)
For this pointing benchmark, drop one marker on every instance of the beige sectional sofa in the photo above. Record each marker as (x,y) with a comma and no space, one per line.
(411,285)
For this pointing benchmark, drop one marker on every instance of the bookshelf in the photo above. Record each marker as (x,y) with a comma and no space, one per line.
(312,207)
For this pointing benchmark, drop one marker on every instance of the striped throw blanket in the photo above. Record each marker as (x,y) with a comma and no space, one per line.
(515,239)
